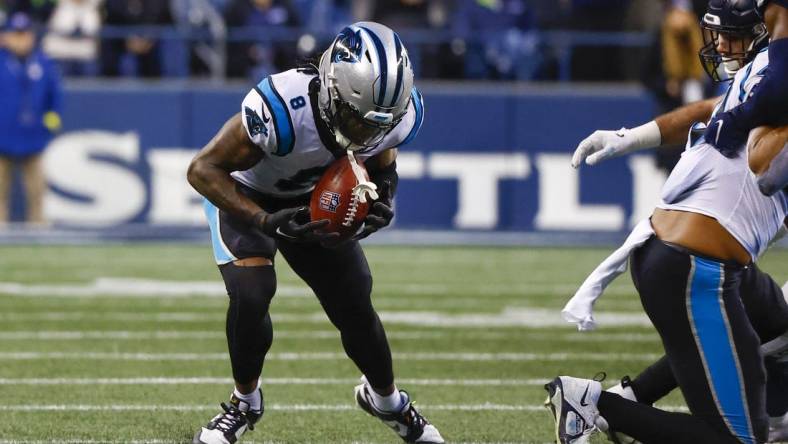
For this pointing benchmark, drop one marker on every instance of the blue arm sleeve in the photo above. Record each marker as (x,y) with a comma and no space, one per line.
(768,104)
(776,177)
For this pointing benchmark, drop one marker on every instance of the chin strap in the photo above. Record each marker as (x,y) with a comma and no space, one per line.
(364,187)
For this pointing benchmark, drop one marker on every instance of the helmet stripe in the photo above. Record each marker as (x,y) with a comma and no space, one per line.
(398,54)
(418,106)
(382,62)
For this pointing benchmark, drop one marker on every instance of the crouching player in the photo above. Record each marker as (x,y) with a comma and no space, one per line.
(257,175)
(688,263)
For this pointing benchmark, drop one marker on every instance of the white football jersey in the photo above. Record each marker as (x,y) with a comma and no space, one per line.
(706,182)
(278,118)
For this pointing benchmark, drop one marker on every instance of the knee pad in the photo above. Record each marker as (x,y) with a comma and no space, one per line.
(251,288)
(249,332)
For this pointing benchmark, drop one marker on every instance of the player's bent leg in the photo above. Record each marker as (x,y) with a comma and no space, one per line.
(341,279)
(713,350)
(342,282)
(250,287)
(249,331)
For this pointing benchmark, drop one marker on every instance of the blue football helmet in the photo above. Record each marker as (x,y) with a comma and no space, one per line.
(737,26)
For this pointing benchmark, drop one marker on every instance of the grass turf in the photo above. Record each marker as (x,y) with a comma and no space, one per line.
(104,364)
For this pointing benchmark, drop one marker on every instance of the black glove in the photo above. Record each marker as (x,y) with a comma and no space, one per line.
(380,214)
(293,224)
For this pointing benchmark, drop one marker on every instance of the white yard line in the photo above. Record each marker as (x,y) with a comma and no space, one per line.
(266,381)
(114,335)
(274,407)
(508,317)
(331,356)
(105,287)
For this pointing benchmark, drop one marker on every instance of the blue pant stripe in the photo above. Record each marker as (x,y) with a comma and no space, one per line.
(220,251)
(715,341)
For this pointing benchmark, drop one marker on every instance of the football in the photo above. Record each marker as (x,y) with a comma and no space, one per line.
(337,198)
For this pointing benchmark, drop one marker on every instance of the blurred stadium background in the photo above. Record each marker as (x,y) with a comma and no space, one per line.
(112,310)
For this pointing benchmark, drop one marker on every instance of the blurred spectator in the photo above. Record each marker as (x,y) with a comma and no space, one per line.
(260,58)
(499,38)
(38,10)
(324,16)
(681,42)
(430,59)
(203,20)
(674,75)
(137,54)
(72,37)
(401,14)
(29,115)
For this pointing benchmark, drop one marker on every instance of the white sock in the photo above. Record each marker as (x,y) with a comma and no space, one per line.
(253,399)
(388,403)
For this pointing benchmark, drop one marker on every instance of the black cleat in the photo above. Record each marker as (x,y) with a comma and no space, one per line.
(407,422)
(228,426)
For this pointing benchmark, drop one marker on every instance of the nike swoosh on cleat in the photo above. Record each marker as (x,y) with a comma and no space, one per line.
(583,398)
(397,427)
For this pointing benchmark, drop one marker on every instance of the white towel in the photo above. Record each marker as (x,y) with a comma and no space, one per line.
(580,309)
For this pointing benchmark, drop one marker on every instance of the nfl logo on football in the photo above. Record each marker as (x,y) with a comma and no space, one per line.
(329,201)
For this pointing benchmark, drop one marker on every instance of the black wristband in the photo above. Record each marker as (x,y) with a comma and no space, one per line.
(259,218)
(387,174)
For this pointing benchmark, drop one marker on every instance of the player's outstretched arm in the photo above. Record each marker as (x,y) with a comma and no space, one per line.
(768,158)
(668,129)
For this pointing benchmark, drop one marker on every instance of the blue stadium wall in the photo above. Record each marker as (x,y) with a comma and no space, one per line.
(489,158)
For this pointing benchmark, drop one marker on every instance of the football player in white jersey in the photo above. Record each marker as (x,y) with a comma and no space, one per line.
(256,175)
(692,265)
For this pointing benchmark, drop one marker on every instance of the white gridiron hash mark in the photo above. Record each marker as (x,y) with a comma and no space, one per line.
(332,356)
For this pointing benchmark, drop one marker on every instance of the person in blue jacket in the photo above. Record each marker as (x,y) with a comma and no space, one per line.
(30,105)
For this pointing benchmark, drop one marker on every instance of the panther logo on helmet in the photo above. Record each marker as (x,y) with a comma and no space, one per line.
(365,84)
(347,47)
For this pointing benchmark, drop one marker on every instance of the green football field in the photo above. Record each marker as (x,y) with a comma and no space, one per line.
(126,343)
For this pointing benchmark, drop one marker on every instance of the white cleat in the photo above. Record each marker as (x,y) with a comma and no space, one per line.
(778,429)
(228,426)
(573,404)
(408,423)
